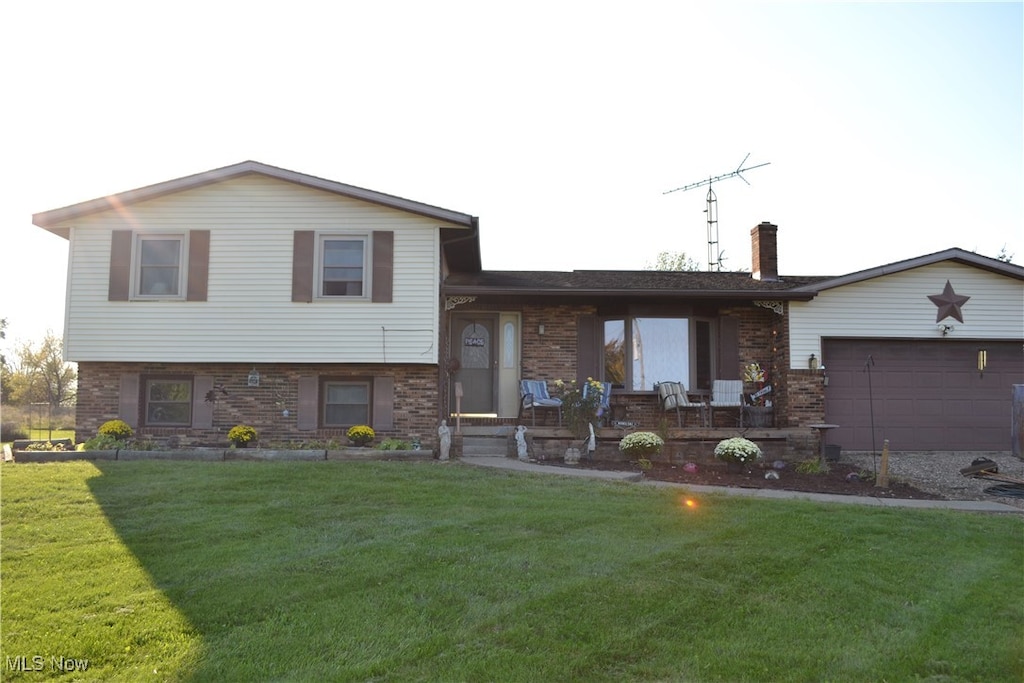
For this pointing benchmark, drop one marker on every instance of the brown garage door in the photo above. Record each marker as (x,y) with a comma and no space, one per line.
(921,395)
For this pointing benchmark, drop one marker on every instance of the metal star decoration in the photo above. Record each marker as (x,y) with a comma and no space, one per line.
(949,303)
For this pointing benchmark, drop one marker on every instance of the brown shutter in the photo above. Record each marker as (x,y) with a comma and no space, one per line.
(728,348)
(198,264)
(128,400)
(383,416)
(587,357)
(202,410)
(383,265)
(302,266)
(309,403)
(120,265)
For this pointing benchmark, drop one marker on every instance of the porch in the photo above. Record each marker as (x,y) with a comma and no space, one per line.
(475,435)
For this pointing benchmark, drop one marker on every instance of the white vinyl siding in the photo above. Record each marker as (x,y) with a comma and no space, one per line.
(896,306)
(249,313)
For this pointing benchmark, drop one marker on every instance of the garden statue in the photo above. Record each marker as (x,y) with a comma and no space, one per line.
(521,443)
(444,434)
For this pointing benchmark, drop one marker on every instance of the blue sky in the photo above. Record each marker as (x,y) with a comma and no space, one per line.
(892,130)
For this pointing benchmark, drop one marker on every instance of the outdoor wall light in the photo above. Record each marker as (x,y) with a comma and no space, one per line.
(982,362)
(812,362)
(254,378)
(945,329)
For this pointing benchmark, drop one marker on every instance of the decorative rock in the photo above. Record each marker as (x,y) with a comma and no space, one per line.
(852,477)
(779,464)
(690,467)
(771,474)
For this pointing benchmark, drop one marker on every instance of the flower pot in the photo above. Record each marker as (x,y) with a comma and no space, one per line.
(735,467)
(759,416)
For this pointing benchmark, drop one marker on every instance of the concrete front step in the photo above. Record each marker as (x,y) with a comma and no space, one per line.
(485,446)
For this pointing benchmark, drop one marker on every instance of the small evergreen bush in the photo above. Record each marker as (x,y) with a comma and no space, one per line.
(117,429)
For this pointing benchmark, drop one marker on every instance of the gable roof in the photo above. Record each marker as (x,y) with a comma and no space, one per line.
(955,255)
(462,250)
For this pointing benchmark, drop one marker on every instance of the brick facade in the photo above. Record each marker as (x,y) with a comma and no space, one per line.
(415,410)
(763,337)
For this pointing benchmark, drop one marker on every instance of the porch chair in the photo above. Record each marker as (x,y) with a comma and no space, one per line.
(673,396)
(605,406)
(726,393)
(533,394)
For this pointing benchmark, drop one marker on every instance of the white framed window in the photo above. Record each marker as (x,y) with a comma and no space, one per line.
(167,401)
(343,266)
(345,403)
(159,271)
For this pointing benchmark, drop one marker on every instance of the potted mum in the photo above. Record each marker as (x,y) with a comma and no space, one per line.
(360,435)
(737,453)
(640,446)
(241,435)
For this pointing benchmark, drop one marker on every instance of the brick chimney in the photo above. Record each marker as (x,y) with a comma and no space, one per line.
(765,252)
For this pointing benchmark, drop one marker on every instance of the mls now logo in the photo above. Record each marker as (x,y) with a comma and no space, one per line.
(38,663)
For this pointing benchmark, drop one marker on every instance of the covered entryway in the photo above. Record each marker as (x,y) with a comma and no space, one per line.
(922,394)
(475,347)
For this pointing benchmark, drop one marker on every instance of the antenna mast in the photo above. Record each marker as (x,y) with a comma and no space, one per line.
(714,256)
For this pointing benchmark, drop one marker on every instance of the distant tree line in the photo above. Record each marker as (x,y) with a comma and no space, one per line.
(36,373)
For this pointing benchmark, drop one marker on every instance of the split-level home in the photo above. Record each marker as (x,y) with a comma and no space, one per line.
(302,306)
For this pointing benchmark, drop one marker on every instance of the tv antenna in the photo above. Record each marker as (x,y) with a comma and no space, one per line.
(715,256)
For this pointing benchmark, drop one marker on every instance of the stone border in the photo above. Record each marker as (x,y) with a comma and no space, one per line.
(224,454)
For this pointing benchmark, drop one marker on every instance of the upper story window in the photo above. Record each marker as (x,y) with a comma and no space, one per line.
(343,266)
(158,265)
(339,266)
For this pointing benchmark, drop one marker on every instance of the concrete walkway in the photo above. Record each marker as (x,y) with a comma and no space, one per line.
(519,466)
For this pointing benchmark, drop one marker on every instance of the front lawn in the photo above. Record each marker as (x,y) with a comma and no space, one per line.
(388,571)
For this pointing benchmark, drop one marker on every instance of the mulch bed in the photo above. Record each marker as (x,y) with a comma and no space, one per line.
(837,480)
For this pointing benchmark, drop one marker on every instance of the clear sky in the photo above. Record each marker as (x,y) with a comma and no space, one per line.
(892,130)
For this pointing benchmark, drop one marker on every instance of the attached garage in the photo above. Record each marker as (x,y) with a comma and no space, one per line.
(921,395)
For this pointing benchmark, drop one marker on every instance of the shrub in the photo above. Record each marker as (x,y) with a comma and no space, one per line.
(12,432)
(117,429)
(394,445)
(240,435)
(102,442)
(360,435)
(737,449)
(815,466)
(641,445)
(47,446)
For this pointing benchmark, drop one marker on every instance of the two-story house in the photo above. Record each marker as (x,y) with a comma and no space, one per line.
(302,306)
(252,294)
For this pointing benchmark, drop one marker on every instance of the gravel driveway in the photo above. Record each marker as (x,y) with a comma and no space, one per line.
(939,472)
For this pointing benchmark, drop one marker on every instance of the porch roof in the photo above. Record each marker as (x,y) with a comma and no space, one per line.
(631,283)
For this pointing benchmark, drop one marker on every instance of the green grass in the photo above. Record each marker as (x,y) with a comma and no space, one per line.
(392,571)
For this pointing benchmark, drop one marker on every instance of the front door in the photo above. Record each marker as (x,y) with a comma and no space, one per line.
(475,343)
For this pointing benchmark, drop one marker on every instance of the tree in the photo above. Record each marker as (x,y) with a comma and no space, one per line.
(1004,256)
(673,260)
(41,375)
